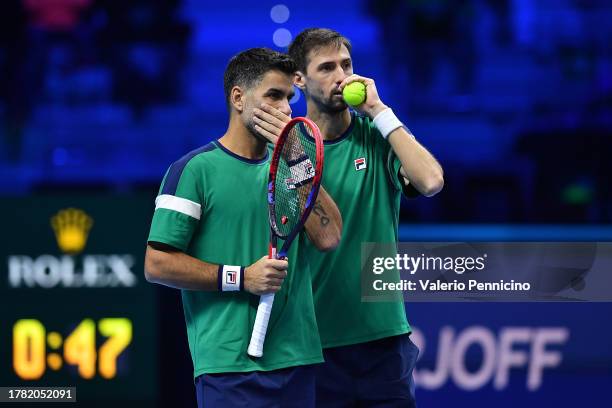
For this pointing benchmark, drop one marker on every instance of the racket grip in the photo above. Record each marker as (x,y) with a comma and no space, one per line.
(261,325)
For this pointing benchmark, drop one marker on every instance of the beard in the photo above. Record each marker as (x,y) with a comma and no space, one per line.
(250,125)
(331,104)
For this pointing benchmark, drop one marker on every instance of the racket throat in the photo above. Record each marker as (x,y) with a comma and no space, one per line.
(271,251)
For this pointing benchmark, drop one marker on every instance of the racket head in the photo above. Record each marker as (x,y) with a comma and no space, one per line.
(295,176)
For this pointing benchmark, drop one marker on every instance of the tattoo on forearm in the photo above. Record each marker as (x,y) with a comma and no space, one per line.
(320,212)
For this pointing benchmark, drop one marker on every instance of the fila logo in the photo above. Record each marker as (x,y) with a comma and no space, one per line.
(290,183)
(360,163)
(230,277)
(309,169)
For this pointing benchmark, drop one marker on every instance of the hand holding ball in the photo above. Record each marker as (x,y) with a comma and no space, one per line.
(354,93)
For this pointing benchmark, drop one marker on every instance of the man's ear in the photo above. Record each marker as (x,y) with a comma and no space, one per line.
(237,98)
(300,80)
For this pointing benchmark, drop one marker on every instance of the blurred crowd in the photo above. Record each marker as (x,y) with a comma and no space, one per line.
(86,51)
(513,96)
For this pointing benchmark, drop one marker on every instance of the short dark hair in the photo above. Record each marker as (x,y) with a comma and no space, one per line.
(312,38)
(249,67)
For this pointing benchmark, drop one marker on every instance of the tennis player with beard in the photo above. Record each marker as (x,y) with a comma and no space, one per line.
(371,158)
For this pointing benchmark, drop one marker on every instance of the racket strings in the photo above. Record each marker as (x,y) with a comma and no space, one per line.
(294,179)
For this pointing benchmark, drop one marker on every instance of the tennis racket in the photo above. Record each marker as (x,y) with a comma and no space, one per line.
(293,184)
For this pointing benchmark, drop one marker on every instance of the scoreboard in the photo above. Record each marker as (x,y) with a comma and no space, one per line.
(75,307)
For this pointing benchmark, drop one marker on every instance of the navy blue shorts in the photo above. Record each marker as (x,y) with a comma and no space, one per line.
(373,374)
(287,387)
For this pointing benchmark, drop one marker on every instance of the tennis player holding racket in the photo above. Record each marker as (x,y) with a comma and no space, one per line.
(370,159)
(209,237)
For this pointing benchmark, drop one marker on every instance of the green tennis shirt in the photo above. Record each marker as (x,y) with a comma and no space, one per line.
(213,206)
(361,175)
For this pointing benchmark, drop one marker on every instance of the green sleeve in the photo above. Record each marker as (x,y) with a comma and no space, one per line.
(178,209)
(393,164)
(393,168)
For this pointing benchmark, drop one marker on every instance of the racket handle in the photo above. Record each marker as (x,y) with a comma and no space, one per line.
(261,325)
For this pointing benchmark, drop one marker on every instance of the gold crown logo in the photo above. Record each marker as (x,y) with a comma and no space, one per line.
(71,228)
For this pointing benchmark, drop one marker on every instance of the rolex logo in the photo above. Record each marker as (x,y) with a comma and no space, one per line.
(71,228)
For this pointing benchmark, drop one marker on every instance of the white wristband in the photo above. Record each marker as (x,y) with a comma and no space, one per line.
(386,122)
(231,278)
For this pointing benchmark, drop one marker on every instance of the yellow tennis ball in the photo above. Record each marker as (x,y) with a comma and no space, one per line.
(354,93)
